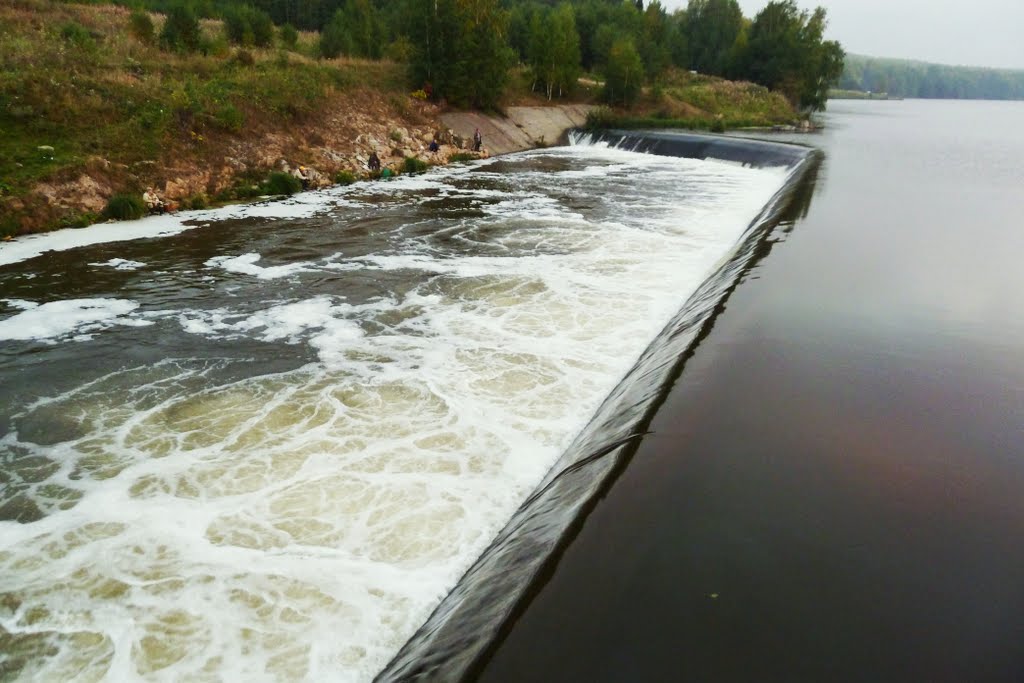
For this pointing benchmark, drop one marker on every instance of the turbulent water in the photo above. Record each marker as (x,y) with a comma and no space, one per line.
(263,443)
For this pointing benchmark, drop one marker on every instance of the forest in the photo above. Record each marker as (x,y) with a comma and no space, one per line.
(906,78)
(461,51)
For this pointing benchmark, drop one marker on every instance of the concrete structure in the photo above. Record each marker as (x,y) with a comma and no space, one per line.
(523,128)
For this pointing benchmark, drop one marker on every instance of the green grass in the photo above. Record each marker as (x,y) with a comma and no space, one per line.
(124,207)
(414,165)
(73,77)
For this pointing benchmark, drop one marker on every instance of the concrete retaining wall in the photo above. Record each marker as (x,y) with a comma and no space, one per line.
(523,128)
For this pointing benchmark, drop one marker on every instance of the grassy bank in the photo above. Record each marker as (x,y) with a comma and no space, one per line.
(81,95)
(695,101)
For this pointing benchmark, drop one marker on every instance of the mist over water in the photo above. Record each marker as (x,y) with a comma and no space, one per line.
(264,445)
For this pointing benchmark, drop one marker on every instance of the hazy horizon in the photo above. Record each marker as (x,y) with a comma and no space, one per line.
(914,29)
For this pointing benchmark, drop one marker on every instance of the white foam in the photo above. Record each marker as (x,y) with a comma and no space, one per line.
(30,246)
(301,526)
(56,319)
(246,264)
(120,264)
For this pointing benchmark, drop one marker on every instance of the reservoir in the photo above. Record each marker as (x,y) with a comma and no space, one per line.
(832,489)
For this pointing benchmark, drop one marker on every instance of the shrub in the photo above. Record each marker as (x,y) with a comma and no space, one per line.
(334,39)
(141,27)
(244,25)
(282,183)
(345,178)
(415,165)
(77,220)
(77,35)
(244,57)
(236,26)
(181,29)
(262,28)
(198,201)
(229,118)
(288,36)
(125,207)
(8,227)
(395,135)
(462,156)
(401,50)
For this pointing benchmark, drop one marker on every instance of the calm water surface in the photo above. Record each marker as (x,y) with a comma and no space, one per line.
(834,487)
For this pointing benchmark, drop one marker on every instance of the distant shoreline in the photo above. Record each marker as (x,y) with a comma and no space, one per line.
(861,95)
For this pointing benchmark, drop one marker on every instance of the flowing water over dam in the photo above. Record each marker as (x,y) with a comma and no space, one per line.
(264,443)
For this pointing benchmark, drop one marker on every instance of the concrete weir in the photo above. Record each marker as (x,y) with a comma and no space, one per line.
(463,630)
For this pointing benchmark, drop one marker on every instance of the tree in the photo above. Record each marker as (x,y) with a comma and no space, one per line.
(461,50)
(554,52)
(654,48)
(334,39)
(181,29)
(244,25)
(786,51)
(624,73)
(714,26)
(366,34)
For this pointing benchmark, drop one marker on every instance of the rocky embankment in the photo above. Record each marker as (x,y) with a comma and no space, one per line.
(335,146)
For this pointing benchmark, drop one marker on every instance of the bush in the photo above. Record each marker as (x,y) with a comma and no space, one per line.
(236,26)
(228,117)
(600,118)
(401,50)
(415,165)
(244,57)
(282,183)
(8,227)
(462,156)
(395,135)
(289,36)
(244,25)
(262,28)
(344,178)
(181,29)
(334,39)
(77,35)
(141,27)
(125,207)
(195,202)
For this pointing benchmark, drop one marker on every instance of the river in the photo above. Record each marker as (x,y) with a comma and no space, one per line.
(262,442)
(832,489)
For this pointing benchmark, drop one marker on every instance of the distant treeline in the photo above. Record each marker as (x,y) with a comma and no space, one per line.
(462,50)
(906,78)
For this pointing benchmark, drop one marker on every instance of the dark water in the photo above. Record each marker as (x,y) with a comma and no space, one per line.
(833,488)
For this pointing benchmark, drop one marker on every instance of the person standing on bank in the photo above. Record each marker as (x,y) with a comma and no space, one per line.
(478,140)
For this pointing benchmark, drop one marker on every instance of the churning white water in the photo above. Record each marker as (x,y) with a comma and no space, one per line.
(209,517)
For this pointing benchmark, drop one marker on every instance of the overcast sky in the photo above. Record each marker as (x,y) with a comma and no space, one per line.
(971,32)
